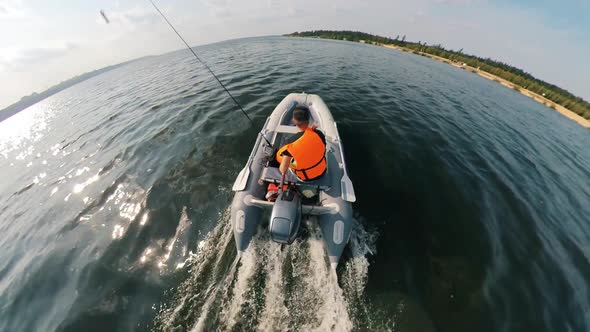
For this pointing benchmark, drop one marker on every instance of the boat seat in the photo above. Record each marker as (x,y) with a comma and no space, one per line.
(287,129)
(272,174)
(282,133)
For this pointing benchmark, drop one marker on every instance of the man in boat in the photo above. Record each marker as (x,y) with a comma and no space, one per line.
(305,152)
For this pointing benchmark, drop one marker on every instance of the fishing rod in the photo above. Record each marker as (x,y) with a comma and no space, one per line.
(209,69)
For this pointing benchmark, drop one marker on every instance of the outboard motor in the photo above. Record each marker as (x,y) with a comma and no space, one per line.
(286,216)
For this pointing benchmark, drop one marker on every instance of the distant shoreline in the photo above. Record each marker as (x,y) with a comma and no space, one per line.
(34,98)
(536,97)
(573,107)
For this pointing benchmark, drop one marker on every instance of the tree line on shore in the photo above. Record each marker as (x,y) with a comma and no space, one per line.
(503,70)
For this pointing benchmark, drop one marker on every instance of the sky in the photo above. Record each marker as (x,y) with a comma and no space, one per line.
(45,42)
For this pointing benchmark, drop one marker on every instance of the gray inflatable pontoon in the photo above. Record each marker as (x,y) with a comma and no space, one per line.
(326,200)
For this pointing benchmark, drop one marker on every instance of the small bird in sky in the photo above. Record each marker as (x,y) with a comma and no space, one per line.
(106,19)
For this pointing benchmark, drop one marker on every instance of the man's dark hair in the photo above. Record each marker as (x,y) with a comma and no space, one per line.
(301,114)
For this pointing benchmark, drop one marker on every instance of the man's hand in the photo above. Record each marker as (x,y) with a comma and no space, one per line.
(285,164)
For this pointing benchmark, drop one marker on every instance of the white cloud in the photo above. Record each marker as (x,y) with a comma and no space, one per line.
(12,9)
(13,58)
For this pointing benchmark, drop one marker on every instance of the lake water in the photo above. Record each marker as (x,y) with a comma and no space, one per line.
(472,200)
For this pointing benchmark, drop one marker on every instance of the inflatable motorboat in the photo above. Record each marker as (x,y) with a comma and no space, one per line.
(325,200)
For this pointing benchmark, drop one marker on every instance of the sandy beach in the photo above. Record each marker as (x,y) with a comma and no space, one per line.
(566,112)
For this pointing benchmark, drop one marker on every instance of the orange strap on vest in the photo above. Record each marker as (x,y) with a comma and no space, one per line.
(309,153)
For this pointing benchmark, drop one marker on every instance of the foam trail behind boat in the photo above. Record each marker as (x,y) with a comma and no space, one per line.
(270,289)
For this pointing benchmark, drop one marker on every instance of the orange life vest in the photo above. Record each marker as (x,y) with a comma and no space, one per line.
(309,154)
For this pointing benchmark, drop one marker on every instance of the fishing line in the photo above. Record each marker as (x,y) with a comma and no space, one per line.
(209,69)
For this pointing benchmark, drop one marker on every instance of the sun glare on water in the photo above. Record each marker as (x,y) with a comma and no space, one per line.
(28,126)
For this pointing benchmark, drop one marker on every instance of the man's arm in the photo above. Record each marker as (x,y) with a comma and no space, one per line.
(285,164)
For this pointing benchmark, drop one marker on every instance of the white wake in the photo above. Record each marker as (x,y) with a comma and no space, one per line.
(271,288)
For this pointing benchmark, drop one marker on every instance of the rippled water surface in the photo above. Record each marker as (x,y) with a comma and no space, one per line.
(472,200)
